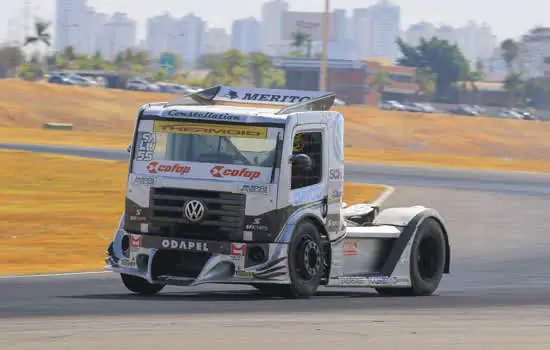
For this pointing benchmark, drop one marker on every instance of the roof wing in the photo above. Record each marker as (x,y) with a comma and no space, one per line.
(294,100)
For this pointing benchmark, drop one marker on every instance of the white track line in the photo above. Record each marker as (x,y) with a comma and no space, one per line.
(56,274)
(384,196)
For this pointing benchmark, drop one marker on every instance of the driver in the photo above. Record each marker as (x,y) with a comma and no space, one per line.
(299,175)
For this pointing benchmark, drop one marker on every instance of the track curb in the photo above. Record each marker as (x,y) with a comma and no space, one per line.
(384,196)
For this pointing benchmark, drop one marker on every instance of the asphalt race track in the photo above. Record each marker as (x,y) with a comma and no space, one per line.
(496,297)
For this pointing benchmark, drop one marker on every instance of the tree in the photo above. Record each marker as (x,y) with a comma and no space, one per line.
(258,65)
(445,60)
(41,35)
(11,58)
(300,39)
(69,53)
(381,80)
(235,67)
(425,79)
(514,84)
(510,51)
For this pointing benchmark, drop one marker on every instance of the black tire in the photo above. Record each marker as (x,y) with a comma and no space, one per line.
(139,285)
(427,262)
(305,264)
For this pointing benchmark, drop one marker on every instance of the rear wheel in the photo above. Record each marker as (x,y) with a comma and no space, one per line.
(305,264)
(427,262)
(139,285)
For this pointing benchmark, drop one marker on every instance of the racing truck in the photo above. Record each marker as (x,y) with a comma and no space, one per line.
(238,185)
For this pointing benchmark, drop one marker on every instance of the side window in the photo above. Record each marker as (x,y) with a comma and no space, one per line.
(311,144)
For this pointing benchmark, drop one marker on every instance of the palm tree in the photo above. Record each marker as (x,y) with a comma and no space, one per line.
(510,51)
(514,84)
(41,36)
(301,39)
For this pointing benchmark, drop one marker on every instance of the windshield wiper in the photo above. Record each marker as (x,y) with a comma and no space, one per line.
(276,157)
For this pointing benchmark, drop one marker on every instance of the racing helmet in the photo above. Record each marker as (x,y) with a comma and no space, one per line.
(299,143)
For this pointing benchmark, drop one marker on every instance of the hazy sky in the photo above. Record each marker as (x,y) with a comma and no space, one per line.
(508,18)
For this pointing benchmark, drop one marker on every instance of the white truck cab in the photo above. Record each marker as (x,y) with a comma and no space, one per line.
(225,193)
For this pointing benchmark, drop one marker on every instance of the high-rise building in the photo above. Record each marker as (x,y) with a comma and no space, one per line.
(216,40)
(272,21)
(384,29)
(119,33)
(187,39)
(160,31)
(448,33)
(534,52)
(361,38)
(71,22)
(415,32)
(246,35)
(91,40)
(341,47)
(376,30)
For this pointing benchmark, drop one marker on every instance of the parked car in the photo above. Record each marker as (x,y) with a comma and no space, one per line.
(426,108)
(392,106)
(464,110)
(141,85)
(510,114)
(526,115)
(412,107)
(81,81)
(60,79)
(172,88)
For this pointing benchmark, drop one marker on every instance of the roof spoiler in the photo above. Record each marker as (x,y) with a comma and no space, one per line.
(292,100)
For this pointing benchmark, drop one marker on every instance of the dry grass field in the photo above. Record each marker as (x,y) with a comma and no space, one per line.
(59,213)
(105,118)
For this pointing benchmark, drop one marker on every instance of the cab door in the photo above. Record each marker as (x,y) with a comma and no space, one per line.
(308,188)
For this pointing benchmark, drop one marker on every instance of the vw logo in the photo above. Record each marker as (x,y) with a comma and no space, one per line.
(193,210)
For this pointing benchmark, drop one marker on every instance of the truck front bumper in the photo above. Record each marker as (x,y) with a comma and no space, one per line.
(222,262)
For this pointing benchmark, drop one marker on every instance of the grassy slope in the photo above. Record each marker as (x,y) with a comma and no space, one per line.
(104,118)
(59,213)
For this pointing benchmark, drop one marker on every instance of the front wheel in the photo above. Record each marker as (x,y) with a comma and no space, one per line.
(305,264)
(139,285)
(427,262)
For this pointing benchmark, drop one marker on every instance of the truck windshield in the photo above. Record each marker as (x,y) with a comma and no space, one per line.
(206,143)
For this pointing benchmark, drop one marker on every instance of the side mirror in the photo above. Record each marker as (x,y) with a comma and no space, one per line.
(302,161)
(129,148)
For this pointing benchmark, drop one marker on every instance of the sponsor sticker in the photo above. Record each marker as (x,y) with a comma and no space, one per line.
(127,263)
(238,249)
(256,225)
(265,95)
(244,274)
(252,189)
(336,174)
(144,180)
(135,241)
(350,248)
(203,115)
(370,281)
(220,171)
(157,167)
(146,146)
(333,225)
(306,195)
(211,129)
(181,244)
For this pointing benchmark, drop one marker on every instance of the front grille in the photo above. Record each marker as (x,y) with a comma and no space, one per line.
(223,218)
